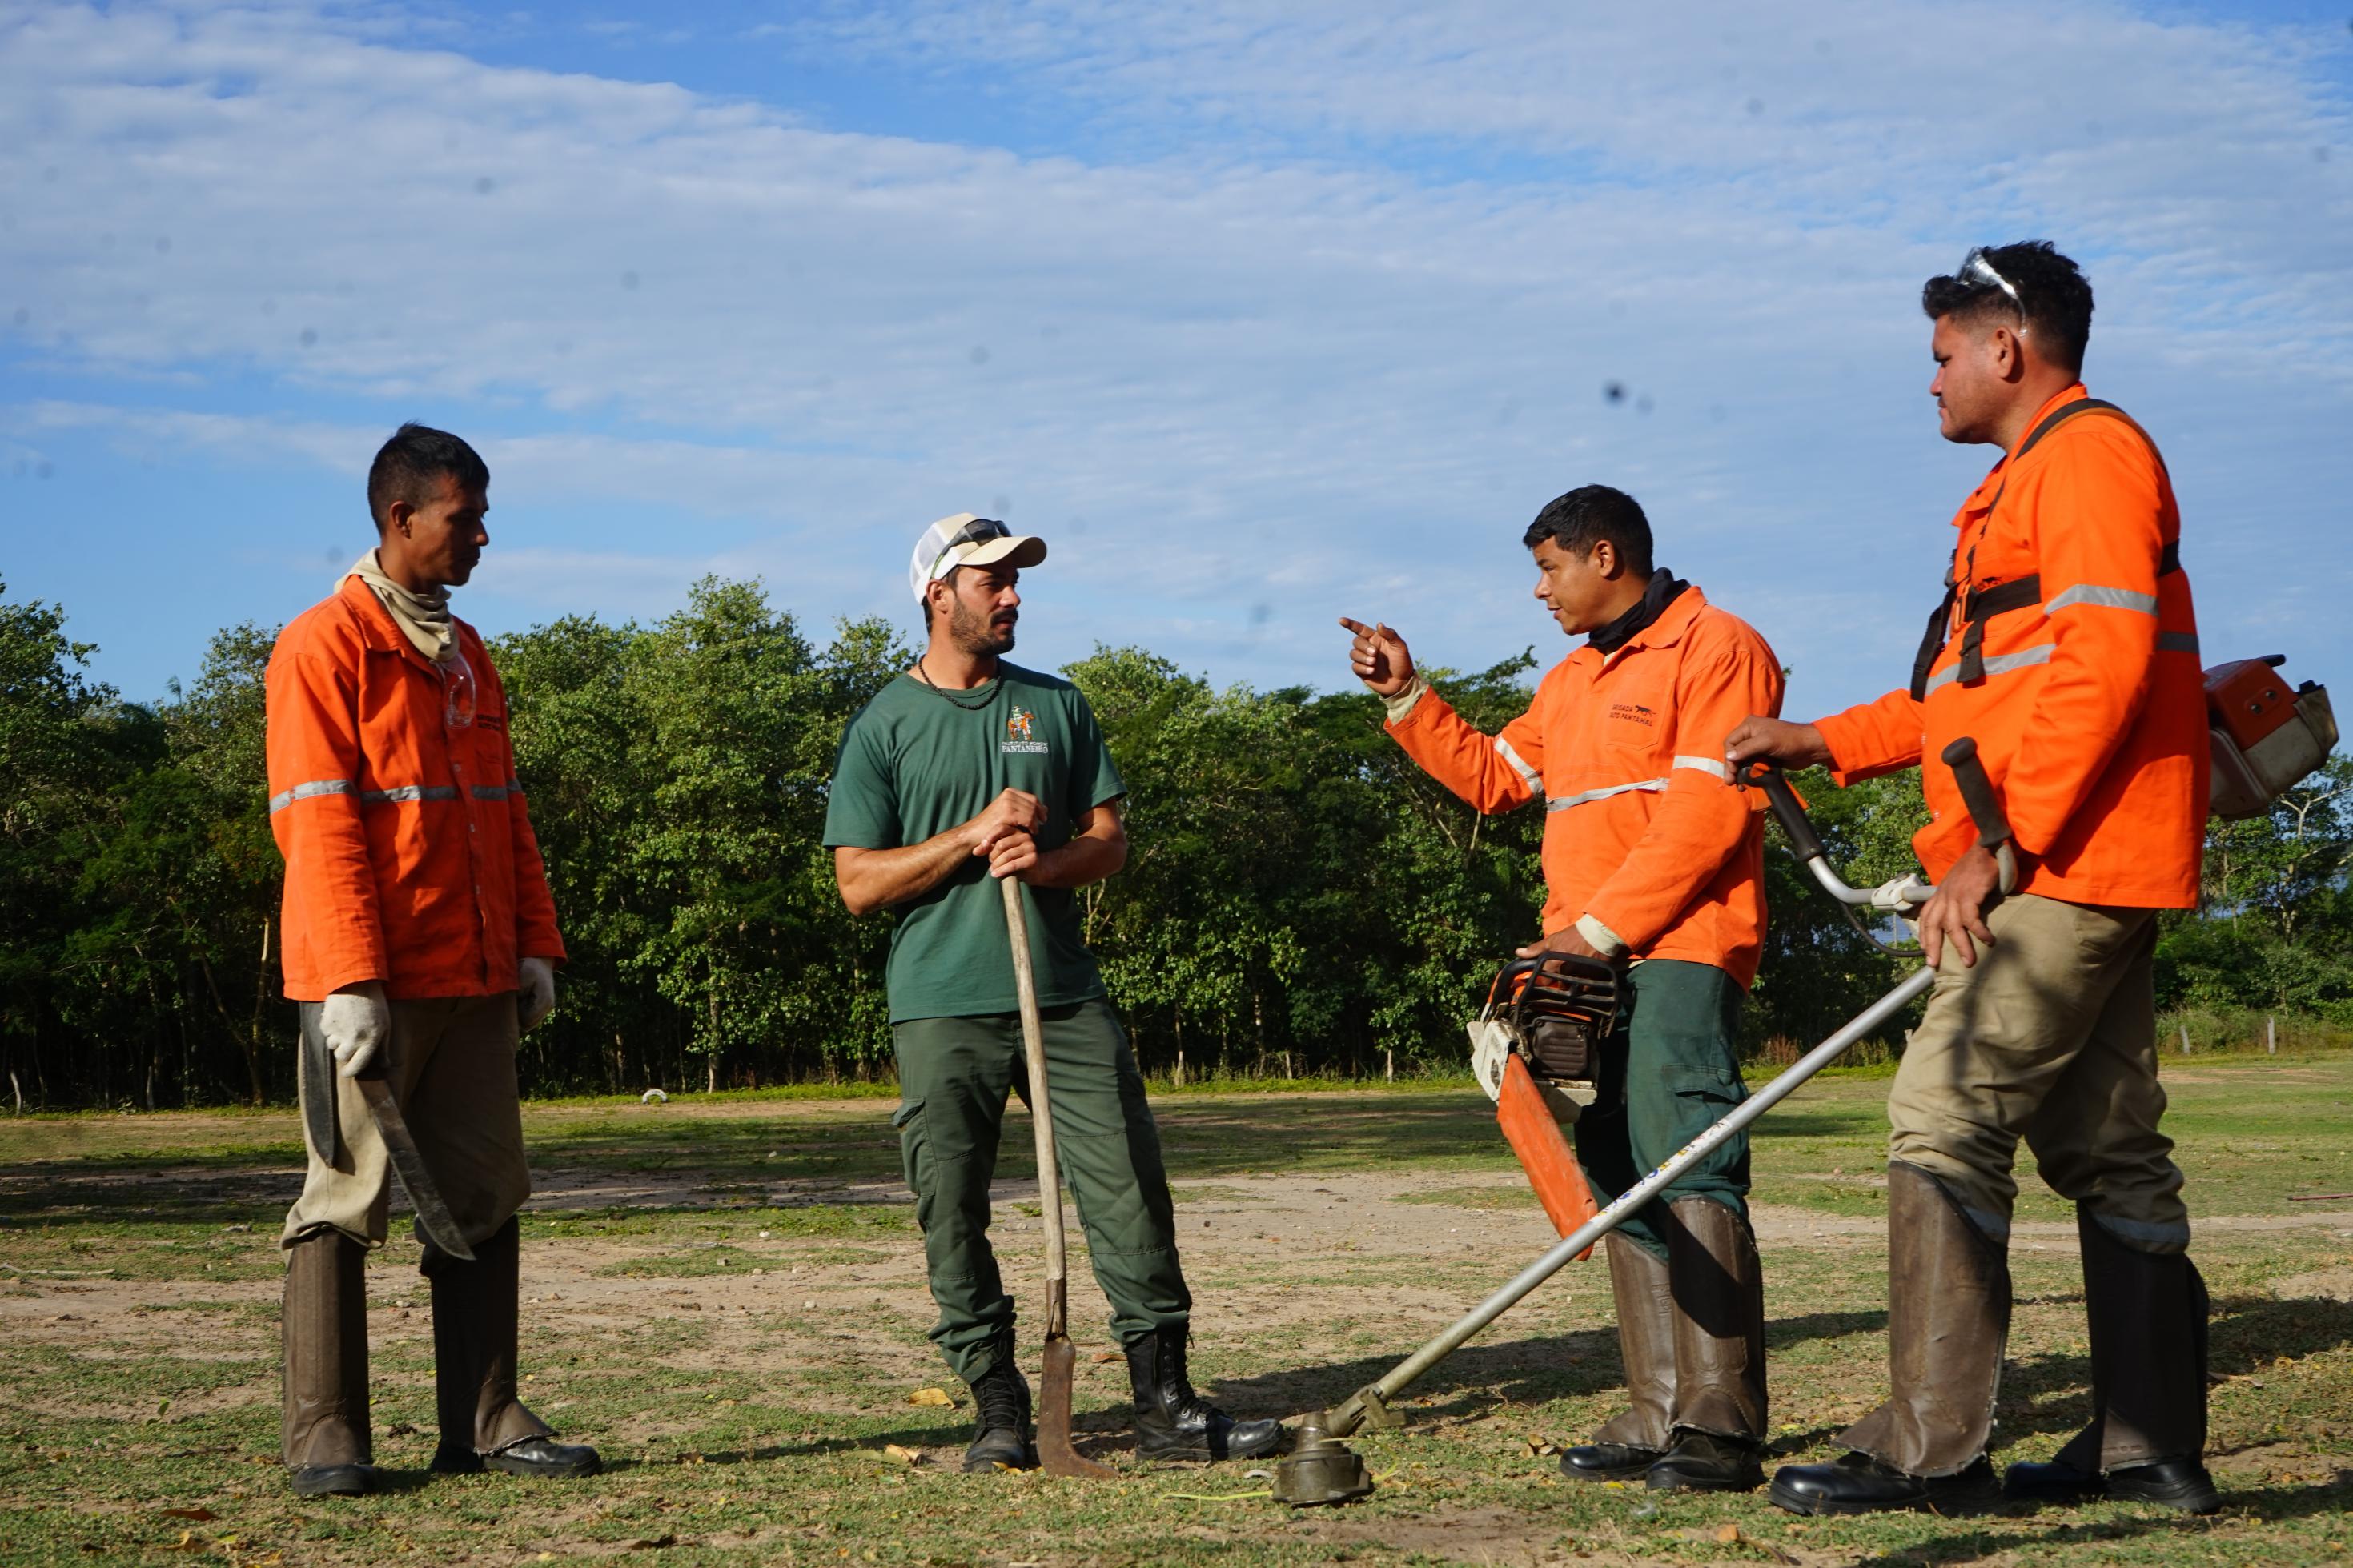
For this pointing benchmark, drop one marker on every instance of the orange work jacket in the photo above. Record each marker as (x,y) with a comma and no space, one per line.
(1643,829)
(2085,697)
(409,855)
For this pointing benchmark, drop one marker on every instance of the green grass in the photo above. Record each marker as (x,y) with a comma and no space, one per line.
(730,1303)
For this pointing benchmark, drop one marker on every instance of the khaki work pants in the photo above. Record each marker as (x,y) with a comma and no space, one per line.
(2052,1037)
(451,1064)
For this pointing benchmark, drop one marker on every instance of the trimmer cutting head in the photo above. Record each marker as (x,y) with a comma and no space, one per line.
(1320,1469)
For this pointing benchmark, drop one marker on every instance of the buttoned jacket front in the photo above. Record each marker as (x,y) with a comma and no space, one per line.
(409,853)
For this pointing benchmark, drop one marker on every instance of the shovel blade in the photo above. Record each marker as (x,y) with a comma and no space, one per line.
(1056,1453)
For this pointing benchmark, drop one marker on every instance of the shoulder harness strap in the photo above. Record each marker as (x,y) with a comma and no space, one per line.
(1977,607)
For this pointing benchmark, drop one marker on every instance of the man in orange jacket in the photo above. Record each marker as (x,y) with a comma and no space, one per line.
(1648,858)
(419,939)
(2067,648)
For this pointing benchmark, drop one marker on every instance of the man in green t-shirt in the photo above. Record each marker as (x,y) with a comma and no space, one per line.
(964,771)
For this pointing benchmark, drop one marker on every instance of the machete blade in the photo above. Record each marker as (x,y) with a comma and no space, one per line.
(432,1213)
(315,1065)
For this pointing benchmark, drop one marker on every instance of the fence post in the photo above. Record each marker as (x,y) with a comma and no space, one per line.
(2271,1033)
(2185,1039)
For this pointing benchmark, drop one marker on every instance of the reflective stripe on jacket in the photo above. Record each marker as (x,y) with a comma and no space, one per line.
(409,854)
(2090,713)
(1642,829)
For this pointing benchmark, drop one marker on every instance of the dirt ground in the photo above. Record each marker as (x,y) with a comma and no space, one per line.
(746,1341)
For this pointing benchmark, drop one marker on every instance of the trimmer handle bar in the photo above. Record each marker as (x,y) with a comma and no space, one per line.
(1904,895)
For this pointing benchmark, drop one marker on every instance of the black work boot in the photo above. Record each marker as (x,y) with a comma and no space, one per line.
(1628,1444)
(2182,1484)
(1719,1334)
(324,1426)
(1173,1422)
(1000,1396)
(484,1424)
(1708,1462)
(1948,1319)
(2148,1312)
(1857,1483)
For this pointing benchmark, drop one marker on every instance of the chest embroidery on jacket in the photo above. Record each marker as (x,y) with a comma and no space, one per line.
(1634,713)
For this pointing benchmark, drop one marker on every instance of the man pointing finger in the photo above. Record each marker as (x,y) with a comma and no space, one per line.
(1648,860)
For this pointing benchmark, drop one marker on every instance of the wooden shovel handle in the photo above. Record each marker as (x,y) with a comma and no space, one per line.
(1033,1045)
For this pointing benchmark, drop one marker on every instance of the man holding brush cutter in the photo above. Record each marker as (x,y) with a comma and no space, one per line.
(1650,862)
(965,778)
(2066,648)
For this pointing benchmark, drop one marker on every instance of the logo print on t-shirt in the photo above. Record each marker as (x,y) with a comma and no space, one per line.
(1019,725)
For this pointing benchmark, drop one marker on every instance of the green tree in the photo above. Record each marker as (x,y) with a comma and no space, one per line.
(66,744)
(2274,926)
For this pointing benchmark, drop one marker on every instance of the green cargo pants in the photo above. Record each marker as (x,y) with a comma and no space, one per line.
(1671,1070)
(954,1075)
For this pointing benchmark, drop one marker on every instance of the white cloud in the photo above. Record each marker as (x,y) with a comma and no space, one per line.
(1275,348)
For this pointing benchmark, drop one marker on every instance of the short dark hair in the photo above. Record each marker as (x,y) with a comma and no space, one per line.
(2054,297)
(1589,514)
(410,466)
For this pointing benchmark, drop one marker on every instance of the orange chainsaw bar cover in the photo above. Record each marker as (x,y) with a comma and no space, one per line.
(1528,1126)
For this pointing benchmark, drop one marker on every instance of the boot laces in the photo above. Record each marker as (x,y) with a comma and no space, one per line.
(1001,1398)
(1179,1397)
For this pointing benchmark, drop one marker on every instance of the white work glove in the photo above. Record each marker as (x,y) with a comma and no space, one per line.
(534,991)
(1490,1042)
(355,1022)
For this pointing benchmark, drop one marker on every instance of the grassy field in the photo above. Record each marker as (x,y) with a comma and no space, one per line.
(726,1295)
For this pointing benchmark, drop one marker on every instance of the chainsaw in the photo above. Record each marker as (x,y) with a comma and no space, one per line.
(1535,1048)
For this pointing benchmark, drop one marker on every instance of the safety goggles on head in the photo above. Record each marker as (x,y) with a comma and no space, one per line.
(979,531)
(1976,269)
(963,540)
(459,698)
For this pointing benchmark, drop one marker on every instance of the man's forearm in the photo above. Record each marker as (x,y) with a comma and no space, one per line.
(880,878)
(1079,862)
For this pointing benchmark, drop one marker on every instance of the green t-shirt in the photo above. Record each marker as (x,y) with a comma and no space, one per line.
(913,764)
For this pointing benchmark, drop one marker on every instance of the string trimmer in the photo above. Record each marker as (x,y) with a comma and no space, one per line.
(1320,1454)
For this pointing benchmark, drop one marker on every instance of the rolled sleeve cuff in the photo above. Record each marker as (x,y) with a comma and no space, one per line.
(1606,942)
(1405,701)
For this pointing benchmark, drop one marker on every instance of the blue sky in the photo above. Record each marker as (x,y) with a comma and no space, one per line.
(1258,314)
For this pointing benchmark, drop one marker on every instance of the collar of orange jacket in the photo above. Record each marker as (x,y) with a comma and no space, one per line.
(376,624)
(1664,632)
(1987,487)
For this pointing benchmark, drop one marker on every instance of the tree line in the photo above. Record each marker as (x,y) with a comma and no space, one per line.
(1300,897)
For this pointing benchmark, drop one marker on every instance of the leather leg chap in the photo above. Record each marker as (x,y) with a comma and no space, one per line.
(2148,1312)
(1719,1321)
(475,1309)
(1947,1320)
(1646,1344)
(325,1418)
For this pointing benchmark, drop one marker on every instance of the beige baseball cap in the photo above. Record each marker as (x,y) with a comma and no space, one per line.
(965,539)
